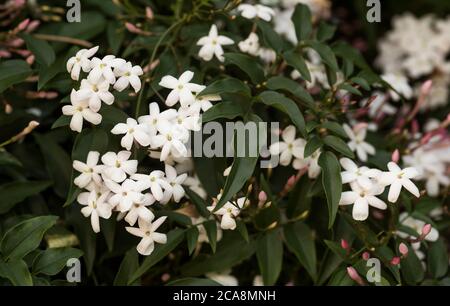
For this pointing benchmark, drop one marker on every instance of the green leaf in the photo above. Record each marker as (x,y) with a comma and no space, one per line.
(13,72)
(48,73)
(174,238)
(199,203)
(350,89)
(332,184)
(283,83)
(325,53)
(16,271)
(63,120)
(228,110)
(25,236)
(211,231)
(344,50)
(41,50)
(192,238)
(15,192)
(437,258)
(52,261)
(7,159)
(92,23)
(334,127)
(339,145)
(312,146)
(115,34)
(362,82)
(269,252)
(325,31)
(193,281)
(112,115)
(129,264)
(242,229)
(247,64)
(226,85)
(336,248)
(271,38)
(302,20)
(286,105)
(300,241)
(411,268)
(299,202)
(297,61)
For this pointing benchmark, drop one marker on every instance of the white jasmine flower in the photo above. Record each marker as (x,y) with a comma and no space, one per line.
(79,110)
(289,147)
(147,231)
(224,278)
(175,182)
(96,207)
(361,175)
(379,105)
(187,119)
(182,90)
(96,93)
(155,181)
(203,103)
(139,210)
(250,45)
(396,178)
(229,212)
(251,11)
(357,143)
(90,171)
(128,75)
(125,194)
(267,55)
(117,166)
(80,62)
(103,68)
(170,140)
(155,116)
(132,131)
(312,162)
(212,45)
(362,198)
(400,84)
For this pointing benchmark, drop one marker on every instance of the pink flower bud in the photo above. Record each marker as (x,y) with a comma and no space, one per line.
(395,156)
(344,244)
(132,28)
(353,274)
(33,26)
(395,261)
(149,13)
(290,182)
(426,87)
(262,196)
(23,25)
(30,60)
(51,94)
(426,229)
(403,249)
(5,54)
(366,256)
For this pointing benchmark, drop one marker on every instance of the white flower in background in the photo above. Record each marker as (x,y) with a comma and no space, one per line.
(223,278)
(379,105)
(312,162)
(125,194)
(95,93)
(155,116)
(417,226)
(252,11)
(317,73)
(258,281)
(202,234)
(289,147)
(132,131)
(170,140)
(175,182)
(398,178)
(96,207)
(360,175)
(212,45)
(139,210)
(196,186)
(361,199)
(203,103)
(90,171)
(104,68)
(229,212)
(250,45)
(182,90)
(400,83)
(187,119)
(155,181)
(147,231)
(357,136)
(79,110)
(128,75)
(284,25)
(80,62)
(117,166)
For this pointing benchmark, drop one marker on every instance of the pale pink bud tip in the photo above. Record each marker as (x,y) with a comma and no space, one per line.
(395,156)
(149,13)
(23,25)
(426,229)
(395,260)
(262,196)
(366,256)
(290,182)
(353,274)
(403,249)
(344,244)
(131,27)
(426,87)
